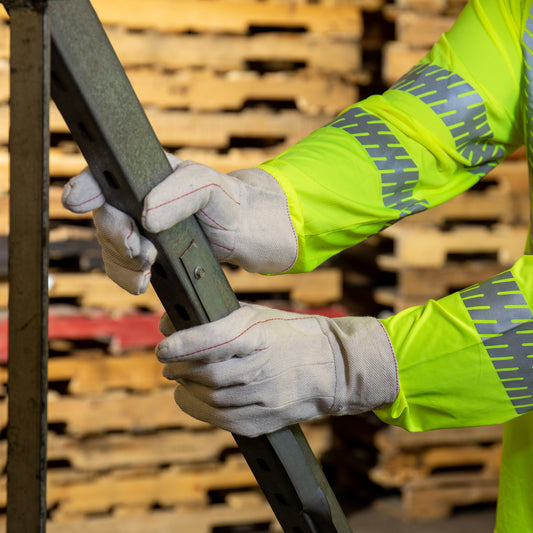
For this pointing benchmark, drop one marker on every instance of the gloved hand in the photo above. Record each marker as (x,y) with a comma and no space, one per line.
(244,214)
(260,369)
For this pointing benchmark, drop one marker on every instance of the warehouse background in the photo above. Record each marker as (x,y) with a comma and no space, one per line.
(230,83)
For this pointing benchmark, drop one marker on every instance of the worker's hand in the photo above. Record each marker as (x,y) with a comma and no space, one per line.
(244,214)
(259,369)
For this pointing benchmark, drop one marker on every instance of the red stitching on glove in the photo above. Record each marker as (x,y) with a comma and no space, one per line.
(166,360)
(132,230)
(70,204)
(213,220)
(189,193)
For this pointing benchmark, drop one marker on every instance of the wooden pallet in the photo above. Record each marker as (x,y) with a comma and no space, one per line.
(437,471)
(437,497)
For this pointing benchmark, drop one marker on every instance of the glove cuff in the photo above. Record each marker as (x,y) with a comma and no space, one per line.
(365,365)
(268,242)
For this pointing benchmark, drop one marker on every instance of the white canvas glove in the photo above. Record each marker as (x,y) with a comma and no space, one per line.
(260,369)
(244,214)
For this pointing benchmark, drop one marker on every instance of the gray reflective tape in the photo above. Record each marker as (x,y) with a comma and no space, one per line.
(505,324)
(527,51)
(398,171)
(461,108)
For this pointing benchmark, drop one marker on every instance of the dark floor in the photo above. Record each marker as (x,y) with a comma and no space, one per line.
(471,520)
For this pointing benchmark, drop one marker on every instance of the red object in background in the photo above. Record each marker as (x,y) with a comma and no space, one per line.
(129,331)
(126,332)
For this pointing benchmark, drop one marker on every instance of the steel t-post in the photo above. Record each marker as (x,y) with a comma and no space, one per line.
(107,121)
(28,267)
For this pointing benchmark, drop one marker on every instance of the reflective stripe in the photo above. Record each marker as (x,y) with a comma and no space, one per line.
(505,324)
(527,50)
(399,173)
(461,108)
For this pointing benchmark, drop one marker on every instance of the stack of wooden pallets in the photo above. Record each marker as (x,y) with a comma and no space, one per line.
(228,83)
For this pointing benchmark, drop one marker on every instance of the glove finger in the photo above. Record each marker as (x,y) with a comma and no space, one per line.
(189,189)
(249,420)
(166,327)
(133,274)
(240,333)
(234,419)
(173,160)
(117,232)
(232,372)
(82,193)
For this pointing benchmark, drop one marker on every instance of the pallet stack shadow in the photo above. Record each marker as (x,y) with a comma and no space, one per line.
(229,84)
(458,244)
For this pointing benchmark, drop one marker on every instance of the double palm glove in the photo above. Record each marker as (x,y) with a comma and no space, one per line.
(260,369)
(244,215)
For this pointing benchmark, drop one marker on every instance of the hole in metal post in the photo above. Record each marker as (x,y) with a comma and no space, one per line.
(281,499)
(57,81)
(84,131)
(263,464)
(111,180)
(159,271)
(182,312)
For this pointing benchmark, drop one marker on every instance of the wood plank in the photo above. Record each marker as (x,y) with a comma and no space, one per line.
(207,91)
(230,16)
(427,247)
(198,520)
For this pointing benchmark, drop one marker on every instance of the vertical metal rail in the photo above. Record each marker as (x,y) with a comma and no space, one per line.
(28,267)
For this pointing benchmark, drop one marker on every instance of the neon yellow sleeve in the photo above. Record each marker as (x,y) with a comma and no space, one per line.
(467,359)
(434,134)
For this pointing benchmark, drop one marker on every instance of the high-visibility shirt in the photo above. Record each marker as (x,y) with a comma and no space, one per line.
(466,359)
